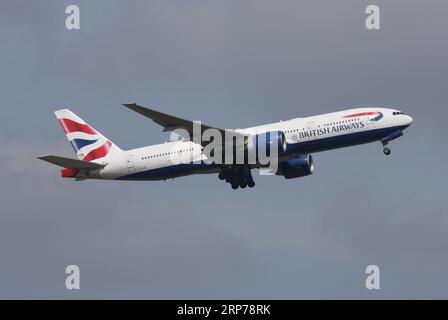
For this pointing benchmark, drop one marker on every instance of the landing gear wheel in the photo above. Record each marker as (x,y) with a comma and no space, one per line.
(234,186)
(243,185)
(222,175)
(251,183)
(387,151)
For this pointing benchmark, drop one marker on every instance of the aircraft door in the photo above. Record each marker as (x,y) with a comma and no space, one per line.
(311,126)
(369,122)
(313,138)
(130,162)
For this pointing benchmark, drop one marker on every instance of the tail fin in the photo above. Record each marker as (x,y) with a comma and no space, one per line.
(87,142)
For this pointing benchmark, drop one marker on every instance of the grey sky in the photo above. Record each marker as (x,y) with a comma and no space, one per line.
(232,64)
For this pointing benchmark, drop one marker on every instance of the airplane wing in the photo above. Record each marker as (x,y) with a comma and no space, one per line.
(71,163)
(171,123)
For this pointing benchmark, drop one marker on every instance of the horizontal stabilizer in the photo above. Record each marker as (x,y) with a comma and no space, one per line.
(71,163)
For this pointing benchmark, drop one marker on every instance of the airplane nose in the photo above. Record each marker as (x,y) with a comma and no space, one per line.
(409,120)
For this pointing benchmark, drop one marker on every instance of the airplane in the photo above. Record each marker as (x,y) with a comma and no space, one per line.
(298,139)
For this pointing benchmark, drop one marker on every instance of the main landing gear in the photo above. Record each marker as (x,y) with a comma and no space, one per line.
(237,177)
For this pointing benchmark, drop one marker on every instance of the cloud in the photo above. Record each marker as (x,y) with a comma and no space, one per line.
(370,226)
(125,246)
(232,64)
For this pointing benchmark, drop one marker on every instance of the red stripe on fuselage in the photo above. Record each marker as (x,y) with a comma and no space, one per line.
(98,152)
(362,114)
(70,126)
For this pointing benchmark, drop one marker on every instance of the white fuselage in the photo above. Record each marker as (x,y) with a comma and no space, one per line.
(303,136)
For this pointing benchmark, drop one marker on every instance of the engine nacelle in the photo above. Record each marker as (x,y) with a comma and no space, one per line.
(268,144)
(301,166)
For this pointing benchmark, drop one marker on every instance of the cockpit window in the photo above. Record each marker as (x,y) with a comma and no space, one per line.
(396,113)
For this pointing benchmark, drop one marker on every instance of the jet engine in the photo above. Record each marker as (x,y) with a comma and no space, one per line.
(267,144)
(300,166)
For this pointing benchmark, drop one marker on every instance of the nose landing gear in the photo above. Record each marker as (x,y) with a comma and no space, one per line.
(386,150)
(392,136)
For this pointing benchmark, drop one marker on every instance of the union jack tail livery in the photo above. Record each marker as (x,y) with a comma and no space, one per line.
(88,143)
